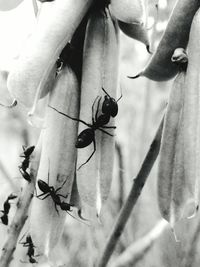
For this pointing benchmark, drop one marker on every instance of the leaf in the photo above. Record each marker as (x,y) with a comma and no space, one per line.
(6,5)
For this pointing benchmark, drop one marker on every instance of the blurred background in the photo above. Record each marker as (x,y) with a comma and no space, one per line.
(140,111)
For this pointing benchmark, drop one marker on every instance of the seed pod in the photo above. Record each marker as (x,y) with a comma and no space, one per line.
(100,69)
(170,168)
(136,31)
(54,28)
(160,66)
(57,160)
(191,117)
(129,11)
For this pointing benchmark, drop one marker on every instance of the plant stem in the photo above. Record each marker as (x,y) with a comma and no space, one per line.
(132,197)
(20,216)
(138,249)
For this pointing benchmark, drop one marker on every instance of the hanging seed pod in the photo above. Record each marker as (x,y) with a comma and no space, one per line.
(128,11)
(100,70)
(137,32)
(57,163)
(171,180)
(191,119)
(160,66)
(54,28)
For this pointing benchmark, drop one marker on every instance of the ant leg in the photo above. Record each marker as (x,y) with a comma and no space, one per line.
(63,195)
(43,195)
(109,127)
(74,119)
(105,132)
(56,208)
(60,186)
(121,94)
(89,156)
(94,117)
(22,238)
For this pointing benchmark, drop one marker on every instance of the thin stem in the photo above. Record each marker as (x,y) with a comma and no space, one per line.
(132,197)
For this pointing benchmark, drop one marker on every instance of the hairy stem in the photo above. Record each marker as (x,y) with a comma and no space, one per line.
(20,216)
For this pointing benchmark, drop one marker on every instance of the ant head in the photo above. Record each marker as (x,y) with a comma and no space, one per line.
(27,151)
(110,106)
(29,239)
(32,260)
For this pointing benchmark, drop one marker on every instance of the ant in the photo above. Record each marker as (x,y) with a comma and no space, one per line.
(6,209)
(25,163)
(51,191)
(31,248)
(87,136)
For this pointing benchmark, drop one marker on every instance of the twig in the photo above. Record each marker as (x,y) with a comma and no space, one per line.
(137,250)
(132,197)
(20,216)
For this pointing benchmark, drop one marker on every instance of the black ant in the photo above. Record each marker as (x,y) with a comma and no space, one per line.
(110,106)
(87,136)
(25,163)
(51,191)
(6,209)
(31,249)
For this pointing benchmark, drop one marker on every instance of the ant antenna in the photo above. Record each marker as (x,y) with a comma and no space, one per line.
(120,95)
(105,92)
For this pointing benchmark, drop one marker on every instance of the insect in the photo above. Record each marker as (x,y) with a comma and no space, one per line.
(6,209)
(25,163)
(53,193)
(87,136)
(110,106)
(31,249)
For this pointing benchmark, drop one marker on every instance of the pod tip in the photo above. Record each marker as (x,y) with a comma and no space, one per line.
(148,49)
(134,77)
(12,105)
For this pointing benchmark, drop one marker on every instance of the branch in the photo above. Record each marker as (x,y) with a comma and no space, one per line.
(136,251)
(133,197)
(20,216)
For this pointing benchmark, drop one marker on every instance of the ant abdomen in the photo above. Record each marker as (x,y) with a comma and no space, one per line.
(4,219)
(65,206)
(85,138)
(43,186)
